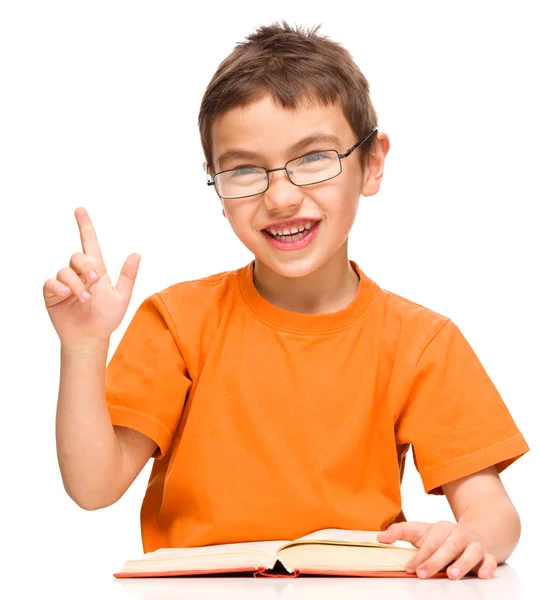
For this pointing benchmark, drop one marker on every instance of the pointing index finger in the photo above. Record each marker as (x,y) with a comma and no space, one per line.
(88,236)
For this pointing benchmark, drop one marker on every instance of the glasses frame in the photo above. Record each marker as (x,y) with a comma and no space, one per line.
(211,181)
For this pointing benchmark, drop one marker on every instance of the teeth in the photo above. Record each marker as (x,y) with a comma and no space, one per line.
(288,231)
(291,238)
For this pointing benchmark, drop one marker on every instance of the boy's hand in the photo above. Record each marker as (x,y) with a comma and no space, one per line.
(439,544)
(85,309)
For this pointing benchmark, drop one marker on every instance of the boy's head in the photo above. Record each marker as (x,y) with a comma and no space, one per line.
(271,92)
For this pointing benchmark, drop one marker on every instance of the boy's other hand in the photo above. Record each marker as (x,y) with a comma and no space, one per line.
(439,544)
(86,309)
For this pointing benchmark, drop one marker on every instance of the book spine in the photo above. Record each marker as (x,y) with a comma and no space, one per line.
(263,572)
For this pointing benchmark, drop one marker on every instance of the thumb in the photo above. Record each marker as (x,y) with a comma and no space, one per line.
(128,274)
(409,531)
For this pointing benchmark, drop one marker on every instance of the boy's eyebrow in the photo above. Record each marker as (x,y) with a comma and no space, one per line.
(316,137)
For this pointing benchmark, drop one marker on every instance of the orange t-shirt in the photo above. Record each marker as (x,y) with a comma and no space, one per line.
(271,424)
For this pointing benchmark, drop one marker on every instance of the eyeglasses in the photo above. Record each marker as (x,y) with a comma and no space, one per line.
(308,169)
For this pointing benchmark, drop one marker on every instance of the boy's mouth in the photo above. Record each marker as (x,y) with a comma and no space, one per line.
(291,234)
(293,240)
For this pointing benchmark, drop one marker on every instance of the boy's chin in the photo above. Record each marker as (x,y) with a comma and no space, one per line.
(291,267)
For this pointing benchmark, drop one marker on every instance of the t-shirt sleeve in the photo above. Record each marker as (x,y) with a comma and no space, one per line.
(146,380)
(454,418)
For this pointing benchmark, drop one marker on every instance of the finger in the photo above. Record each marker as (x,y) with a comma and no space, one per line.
(487,568)
(68,277)
(88,236)
(471,557)
(128,274)
(436,537)
(467,555)
(54,291)
(409,531)
(84,265)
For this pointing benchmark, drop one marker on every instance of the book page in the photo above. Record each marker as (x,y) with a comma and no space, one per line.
(350,535)
(265,547)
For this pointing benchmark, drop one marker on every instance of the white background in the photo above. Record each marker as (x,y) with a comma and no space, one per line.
(98,108)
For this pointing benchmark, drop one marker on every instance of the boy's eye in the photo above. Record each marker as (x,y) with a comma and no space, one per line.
(313,157)
(246,170)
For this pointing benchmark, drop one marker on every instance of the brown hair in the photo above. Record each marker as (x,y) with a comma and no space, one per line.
(293,65)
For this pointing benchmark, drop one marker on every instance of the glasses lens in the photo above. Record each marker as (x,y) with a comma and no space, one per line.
(314,167)
(243,181)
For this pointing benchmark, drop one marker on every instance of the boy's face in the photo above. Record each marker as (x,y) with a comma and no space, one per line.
(270,131)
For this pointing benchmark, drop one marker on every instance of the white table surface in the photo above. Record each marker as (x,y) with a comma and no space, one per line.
(506,585)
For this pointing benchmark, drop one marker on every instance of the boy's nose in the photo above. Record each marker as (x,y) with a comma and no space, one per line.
(281,193)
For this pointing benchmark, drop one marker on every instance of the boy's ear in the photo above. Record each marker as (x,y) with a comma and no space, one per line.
(375,166)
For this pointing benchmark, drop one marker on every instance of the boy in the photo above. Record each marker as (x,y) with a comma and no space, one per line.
(282,397)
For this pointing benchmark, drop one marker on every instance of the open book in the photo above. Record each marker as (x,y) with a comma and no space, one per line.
(324,552)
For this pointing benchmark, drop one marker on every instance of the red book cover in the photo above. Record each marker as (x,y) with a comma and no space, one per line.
(263,572)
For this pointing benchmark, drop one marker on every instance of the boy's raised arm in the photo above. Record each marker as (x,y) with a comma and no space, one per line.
(97,461)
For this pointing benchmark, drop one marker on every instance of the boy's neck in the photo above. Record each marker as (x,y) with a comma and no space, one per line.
(328,289)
